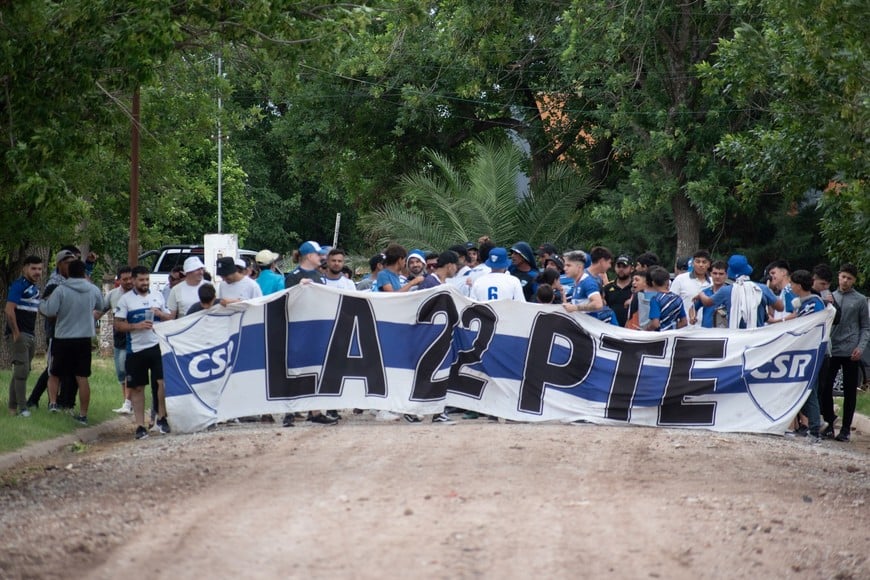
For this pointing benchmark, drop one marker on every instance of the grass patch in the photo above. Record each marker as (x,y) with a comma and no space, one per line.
(863,403)
(17,432)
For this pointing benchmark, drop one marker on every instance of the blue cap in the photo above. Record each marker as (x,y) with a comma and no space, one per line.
(738,266)
(312,248)
(498,259)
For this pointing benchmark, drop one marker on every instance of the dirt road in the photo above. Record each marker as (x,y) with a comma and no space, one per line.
(476,499)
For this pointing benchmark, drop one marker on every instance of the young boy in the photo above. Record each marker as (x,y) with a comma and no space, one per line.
(666,310)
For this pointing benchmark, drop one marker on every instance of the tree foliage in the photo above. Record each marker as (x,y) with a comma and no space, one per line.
(443,204)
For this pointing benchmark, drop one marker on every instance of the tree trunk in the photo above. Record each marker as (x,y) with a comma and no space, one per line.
(687,222)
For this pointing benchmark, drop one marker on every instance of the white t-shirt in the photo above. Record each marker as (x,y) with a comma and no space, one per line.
(497,286)
(243,289)
(132,307)
(687,286)
(182,297)
(342,283)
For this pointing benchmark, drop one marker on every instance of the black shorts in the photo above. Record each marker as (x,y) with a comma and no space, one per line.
(140,363)
(70,356)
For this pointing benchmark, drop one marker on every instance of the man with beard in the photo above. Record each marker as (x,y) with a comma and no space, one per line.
(334,276)
(135,314)
(416,264)
(617,294)
(22,304)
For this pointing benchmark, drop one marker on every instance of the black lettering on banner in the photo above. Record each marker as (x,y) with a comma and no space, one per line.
(426,387)
(464,383)
(675,410)
(625,380)
(355,321)
(278,384)
(539,372)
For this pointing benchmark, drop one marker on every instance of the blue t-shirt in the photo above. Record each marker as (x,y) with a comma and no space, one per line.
(388,277)
(708,313)
(24,294)
(585,289)
(270,281)
(810,304)
(667,308)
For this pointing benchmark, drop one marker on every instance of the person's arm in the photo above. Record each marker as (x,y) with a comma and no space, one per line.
(121,325)
(863,331)
(11,320)
(411,284)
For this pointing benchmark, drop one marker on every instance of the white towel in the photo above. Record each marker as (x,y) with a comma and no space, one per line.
(745,299)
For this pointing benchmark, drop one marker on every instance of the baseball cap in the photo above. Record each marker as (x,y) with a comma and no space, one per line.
(624,259)
(266,257)
(498,259)
(312,248)
(226,266)
(63,255)
(192,264)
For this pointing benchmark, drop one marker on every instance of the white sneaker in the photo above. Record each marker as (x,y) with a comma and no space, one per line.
(387,416)
(125,409)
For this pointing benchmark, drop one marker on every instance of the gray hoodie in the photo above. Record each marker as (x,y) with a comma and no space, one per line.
(73,304)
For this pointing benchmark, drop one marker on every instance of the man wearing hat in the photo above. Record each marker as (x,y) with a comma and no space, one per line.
(269,280)
(746,301)
(523,267)
(617,294)
(185,294)
(307,272)
(236,285)
(498,284)
(416,264)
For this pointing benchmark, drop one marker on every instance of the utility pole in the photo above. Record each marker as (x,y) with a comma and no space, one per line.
(133,242)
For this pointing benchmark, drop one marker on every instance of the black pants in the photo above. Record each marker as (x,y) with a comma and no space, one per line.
(66,396)
(851,375)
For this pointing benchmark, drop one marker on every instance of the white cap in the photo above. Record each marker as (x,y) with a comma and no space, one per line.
(192,264)
(266,257)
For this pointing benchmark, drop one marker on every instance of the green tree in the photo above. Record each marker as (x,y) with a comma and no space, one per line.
(635,63)
(801,71)
(443,205)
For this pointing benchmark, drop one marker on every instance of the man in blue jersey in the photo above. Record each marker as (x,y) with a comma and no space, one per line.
(745,300)
(586,295)
(712,317)
(22,304)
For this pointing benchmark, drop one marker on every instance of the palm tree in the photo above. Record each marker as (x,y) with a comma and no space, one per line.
(443,205)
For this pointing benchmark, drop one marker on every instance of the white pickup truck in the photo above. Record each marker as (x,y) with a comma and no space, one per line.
(160,262)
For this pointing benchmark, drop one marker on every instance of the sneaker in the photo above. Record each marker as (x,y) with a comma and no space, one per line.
(828,431)
(267,419)
(322,419)
(163,426)
(141,432)
(470,415)
(813,438)
(803,430)
(24,413)
(333,415)
(386,416)
(442,418)
(843,435)
(53,408)
(81,419)
(411,418)
(125,409)
(289,420)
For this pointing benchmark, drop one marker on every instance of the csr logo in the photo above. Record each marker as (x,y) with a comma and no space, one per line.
(209,365)
(788,367)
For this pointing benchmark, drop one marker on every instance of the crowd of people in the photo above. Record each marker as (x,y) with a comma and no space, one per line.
(701,292)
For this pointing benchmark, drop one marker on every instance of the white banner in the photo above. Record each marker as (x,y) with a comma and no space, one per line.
(314,347)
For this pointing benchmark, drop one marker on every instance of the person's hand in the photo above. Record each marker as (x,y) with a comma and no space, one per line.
(91,257)
(146,325)
(856,354)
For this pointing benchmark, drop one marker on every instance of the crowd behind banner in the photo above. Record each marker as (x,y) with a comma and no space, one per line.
(631,301)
